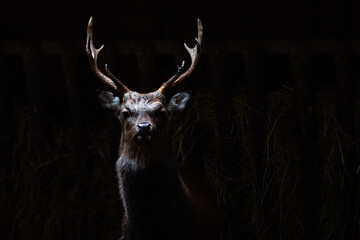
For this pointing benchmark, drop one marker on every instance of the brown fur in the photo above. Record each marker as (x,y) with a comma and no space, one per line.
(159,202)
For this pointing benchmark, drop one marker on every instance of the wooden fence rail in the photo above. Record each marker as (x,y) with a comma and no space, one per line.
(316,46)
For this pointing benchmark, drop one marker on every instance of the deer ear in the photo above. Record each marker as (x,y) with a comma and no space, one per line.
(108,100)
(178,102)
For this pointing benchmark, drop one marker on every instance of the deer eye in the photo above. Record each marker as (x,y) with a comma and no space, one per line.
(161,113)
(126,114)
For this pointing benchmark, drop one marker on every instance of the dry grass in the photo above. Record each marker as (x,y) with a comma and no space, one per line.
(50,199)
(282,164)
(46,196)
(334,146)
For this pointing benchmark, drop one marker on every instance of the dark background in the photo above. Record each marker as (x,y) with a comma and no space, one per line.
(273,121)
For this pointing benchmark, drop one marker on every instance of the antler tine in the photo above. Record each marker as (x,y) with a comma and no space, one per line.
(92,53)
(117,81)
(177,74)
(194,55)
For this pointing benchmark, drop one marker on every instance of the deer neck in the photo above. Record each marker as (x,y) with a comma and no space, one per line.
(143,155)
(151,196)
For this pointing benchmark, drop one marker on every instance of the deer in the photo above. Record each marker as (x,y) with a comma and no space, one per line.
(158,202)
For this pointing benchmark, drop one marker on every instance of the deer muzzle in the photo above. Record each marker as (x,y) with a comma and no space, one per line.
(143,131)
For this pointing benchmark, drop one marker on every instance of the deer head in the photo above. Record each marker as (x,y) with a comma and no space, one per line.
(143,116)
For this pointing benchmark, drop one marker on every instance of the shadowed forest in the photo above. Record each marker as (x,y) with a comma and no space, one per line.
(273,120)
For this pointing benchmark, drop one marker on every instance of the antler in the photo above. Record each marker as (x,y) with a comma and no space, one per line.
(92,53)
(194,54)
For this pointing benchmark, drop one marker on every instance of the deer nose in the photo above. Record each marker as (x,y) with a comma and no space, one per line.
(143,128)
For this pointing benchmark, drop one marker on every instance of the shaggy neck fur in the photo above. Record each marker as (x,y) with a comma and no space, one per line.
(146,154)
(155,203)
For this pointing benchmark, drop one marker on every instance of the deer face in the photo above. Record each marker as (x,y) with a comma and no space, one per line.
(143,116)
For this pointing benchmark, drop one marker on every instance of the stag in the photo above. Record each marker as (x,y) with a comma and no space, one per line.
(158,203)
